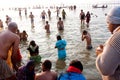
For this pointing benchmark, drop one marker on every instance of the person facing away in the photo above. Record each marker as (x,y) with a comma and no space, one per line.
(60,45)
(86,36)
(108,59)
(31,16)
(26,72)
(47,27)
(82,17)
(8,39)
(88,16)
(49,13)
(46,73)
(58,11)
(74,71)
(63,14)
(60,24)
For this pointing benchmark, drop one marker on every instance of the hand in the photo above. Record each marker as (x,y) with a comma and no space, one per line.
(99,50)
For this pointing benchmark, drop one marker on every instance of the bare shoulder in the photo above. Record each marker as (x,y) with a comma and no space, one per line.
(54,73)
(39,76)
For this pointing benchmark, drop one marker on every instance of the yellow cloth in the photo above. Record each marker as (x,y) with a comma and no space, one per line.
(8,61)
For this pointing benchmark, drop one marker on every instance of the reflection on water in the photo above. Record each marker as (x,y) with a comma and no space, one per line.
(60,64)
(76,49)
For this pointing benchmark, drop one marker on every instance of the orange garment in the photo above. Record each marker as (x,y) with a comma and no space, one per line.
(18,59)
(8,61)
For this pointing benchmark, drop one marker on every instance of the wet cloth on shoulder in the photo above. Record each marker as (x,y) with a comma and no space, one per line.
(33,50)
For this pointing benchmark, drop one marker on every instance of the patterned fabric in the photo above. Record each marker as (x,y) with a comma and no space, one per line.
(5,71)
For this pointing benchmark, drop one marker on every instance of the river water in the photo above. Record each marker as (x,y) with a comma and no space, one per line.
(76,49)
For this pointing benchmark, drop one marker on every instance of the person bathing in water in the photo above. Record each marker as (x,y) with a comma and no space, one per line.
(60,24)
(60,45)
(86,35)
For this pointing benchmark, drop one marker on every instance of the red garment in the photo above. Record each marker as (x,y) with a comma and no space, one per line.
(73,69)
(19,57)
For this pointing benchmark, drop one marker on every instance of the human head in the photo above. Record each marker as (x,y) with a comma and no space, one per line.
(12,26)
(6,15)
(46,22)
(24,31)
(81,10)
(59,18)
(113,18)
(30,12)
(33,43)
(46,65)
(84,32)
(59,37)
(30,65)
(87,12)
(77,64)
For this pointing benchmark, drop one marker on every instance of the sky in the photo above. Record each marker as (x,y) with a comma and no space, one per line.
(22,3)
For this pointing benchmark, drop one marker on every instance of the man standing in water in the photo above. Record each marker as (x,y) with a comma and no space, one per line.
(47,27)
(49,13)
(108,59)
(82,17)
(86,35)
(31,16)
(43,15)
(60,24)
(8,39)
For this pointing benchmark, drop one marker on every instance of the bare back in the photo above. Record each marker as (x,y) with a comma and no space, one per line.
(60,23)
(8,39)
(88,38)
(47,75)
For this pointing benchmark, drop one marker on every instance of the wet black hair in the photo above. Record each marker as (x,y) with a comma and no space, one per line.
(84,32)
(33,43)
(47,65)
(59,37)
(47,22)
(30,63)
(77,64)
(59,18)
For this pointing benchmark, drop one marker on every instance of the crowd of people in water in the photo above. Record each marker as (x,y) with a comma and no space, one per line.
(10,56)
